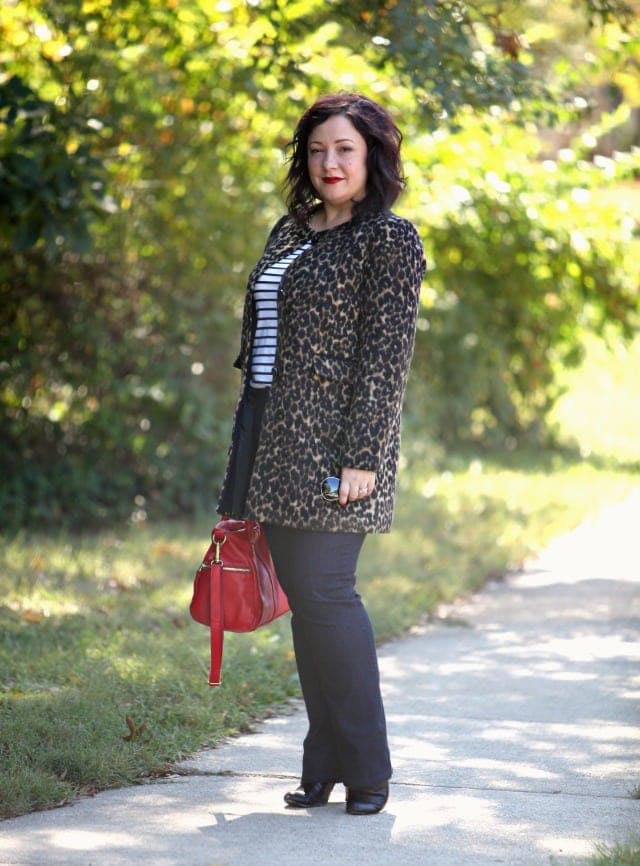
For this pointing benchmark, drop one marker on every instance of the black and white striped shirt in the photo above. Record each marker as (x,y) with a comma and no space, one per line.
(265,340)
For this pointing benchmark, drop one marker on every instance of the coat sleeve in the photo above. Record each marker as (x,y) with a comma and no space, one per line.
(386,339)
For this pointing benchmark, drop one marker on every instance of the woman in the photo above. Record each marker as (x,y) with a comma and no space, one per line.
(327,337)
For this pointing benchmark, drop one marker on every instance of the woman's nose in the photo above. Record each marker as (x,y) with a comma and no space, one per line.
(329,159)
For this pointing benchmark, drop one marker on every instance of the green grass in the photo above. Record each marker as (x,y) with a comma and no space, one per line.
(616,855)
(103,676)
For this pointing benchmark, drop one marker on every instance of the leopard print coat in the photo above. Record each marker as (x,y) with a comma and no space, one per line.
(347,313)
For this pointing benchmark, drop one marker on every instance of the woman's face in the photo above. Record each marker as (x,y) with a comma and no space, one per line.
(337,161)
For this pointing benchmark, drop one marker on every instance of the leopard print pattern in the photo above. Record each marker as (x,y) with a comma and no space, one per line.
(347,313)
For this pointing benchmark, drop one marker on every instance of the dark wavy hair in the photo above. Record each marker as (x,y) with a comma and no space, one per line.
(385,180)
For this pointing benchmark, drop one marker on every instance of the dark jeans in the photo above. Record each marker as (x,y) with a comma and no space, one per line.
(336,657)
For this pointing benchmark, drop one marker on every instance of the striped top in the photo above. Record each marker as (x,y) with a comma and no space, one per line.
(265,340)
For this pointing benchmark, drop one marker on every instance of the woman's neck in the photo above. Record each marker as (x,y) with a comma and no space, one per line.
(328,218)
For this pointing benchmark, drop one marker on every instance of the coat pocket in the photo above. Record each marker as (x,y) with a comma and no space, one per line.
(331,395)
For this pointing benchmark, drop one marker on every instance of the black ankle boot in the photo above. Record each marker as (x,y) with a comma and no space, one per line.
(309,794)
(367,801)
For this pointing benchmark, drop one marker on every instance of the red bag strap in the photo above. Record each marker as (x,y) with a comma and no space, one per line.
(216,616)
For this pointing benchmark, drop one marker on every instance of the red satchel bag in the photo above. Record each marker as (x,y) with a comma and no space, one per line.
(236,587)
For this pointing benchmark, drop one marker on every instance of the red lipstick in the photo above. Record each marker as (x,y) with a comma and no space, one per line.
(331,179)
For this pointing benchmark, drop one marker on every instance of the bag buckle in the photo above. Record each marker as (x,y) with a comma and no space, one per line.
(218,544)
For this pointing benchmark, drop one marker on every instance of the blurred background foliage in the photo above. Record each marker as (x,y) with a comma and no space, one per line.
(141,153)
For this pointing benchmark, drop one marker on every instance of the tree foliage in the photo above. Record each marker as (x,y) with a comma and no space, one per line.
(525,256)
(140,146)
(48,193)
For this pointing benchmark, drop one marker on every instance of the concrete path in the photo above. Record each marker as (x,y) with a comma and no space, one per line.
(514,731)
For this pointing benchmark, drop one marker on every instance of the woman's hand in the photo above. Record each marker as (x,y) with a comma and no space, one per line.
(355,484)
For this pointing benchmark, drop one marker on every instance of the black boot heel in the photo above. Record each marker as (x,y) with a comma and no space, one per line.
(309,794)
(367,801)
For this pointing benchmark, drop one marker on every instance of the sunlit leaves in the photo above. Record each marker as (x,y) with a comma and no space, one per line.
(523,253)
(439,49)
